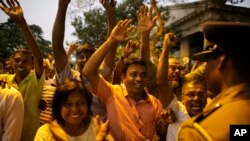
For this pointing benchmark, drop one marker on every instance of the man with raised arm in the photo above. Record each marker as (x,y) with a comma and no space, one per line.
(29,74)
(193,96)
(133,114)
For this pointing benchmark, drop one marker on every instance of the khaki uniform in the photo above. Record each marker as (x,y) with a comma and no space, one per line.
(228,108)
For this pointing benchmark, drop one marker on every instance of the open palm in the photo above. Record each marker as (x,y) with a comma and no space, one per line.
(145,19)
(121,30)
(12,9)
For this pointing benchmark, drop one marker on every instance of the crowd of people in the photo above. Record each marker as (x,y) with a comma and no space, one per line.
(129,99)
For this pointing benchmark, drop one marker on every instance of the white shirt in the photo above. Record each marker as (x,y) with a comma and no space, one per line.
(11,114)
(181,116)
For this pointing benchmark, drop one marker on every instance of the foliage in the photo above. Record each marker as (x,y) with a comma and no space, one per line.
(127,10)
(44,45)
(92,28)
(12,39)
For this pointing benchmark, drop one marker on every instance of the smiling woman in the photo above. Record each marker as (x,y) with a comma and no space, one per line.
(71,111)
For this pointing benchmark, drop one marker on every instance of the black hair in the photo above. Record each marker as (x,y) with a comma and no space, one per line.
(194,82)
(134,61)
(88,48)
(62,93)
(23,50)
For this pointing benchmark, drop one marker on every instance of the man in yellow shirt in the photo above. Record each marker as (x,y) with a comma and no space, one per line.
(28,75)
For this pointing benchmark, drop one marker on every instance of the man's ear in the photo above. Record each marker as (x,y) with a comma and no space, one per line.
(223,61)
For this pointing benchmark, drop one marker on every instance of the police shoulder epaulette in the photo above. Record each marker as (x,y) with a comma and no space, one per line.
(201,117)
(194,122)
(206,113)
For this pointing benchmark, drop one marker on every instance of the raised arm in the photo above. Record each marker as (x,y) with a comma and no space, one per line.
(15,12)
(129,48)
(146,23)
(165,93)
(118,34)
(59,53)
(110,10)
(110,57)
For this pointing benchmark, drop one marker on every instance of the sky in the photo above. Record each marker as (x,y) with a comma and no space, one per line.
(43,12)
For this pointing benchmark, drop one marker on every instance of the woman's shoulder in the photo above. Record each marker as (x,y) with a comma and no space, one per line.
(44,133)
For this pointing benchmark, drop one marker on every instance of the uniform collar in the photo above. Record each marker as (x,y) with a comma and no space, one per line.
(229,94)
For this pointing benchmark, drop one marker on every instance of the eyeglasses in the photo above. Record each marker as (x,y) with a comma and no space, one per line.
(175,67)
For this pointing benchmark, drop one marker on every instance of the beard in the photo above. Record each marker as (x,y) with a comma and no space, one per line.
(176,88)
(174,84)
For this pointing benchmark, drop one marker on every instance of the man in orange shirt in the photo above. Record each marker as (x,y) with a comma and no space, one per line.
(134,115)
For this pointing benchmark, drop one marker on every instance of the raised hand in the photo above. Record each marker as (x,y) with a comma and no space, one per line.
(145,19)
(169,40)
(168,116)
(13,10)
(121,30)
(130,48)
(102,129)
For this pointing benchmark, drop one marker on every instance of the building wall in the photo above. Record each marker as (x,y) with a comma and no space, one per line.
(190,17)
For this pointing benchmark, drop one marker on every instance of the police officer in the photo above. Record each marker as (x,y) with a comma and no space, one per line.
(227,73)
